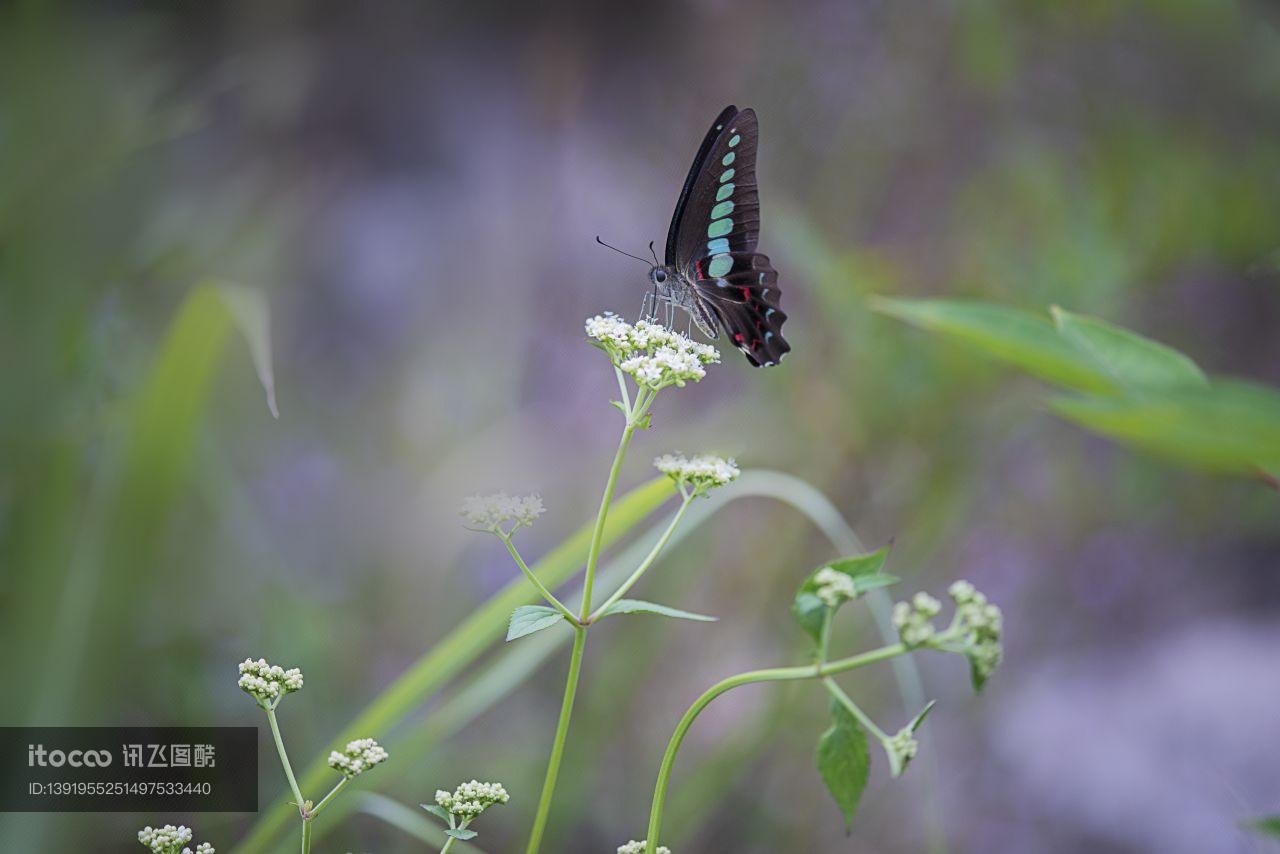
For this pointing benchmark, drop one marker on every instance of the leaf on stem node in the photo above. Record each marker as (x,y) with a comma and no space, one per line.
(844,761)
(528,619)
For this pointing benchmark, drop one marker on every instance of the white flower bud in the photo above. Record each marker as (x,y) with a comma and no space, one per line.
(357,757)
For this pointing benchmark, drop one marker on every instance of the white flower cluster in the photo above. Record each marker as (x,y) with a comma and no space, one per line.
(470,799)
(914,620)
(171,840)
(981,624)
(634,847)
(703,472)
(491,512)
(834,586)
(902,748)
(267,683)
(655,356)
(357,757)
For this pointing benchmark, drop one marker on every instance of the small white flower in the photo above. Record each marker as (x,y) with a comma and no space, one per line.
(357,757)
(656,357)
(268,683)
(165,840)
(634,847)
(701,473)
(204,848)
(914,621)
(493,512)
(982,625)
(469,800)
(834,586)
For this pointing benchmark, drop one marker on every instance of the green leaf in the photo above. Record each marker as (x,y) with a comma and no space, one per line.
(639,606)
(864,583)
(437,811)
(919,719)
(461,833)
(809,610)
(1230,426)
(1022,339)
(844,761)
(1133,361)
(1266,826)
(528,619)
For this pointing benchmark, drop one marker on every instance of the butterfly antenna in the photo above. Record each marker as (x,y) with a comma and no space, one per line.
(656,263)
(619,251)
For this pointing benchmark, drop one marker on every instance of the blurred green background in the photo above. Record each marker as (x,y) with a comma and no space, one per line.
(415,187)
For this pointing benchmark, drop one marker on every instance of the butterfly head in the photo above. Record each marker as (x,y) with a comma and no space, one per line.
(658,276)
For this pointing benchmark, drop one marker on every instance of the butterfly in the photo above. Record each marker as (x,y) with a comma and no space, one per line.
(712,269)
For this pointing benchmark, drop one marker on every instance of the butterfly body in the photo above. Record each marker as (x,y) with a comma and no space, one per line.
(711,269)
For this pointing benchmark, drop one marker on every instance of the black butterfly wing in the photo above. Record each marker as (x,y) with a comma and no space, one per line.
(719,203)
(713,236)
(745,301)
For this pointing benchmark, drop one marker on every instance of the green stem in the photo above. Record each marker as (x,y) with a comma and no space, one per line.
(597,534)
(315,811)
(557,746)
(622,389)
(845,700)
(447,845)
(646,563)
(776,674)
(284,758)
(306,836)
(533,579)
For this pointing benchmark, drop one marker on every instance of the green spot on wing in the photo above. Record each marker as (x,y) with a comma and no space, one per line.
(728,159)
(720,228)
(722,210)
(726,175)
(724,192)
(734,140)
(720,265)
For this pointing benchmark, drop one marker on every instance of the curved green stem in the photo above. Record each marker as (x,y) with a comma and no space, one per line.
(533,579)
(557,746)
(776,674)
(646,563)
(447,845)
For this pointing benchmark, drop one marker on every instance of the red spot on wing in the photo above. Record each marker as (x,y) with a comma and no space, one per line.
(737,337)
(746,293)
(697,266)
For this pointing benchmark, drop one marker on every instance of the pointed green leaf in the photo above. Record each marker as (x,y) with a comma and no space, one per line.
(809,611)
(1265,826)
(1022,339)
(1230,426)
(461,833)
(437,811)
(639,606)
(863,583)
(1130,359)
(528,619)
(919,719)
(844,761)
